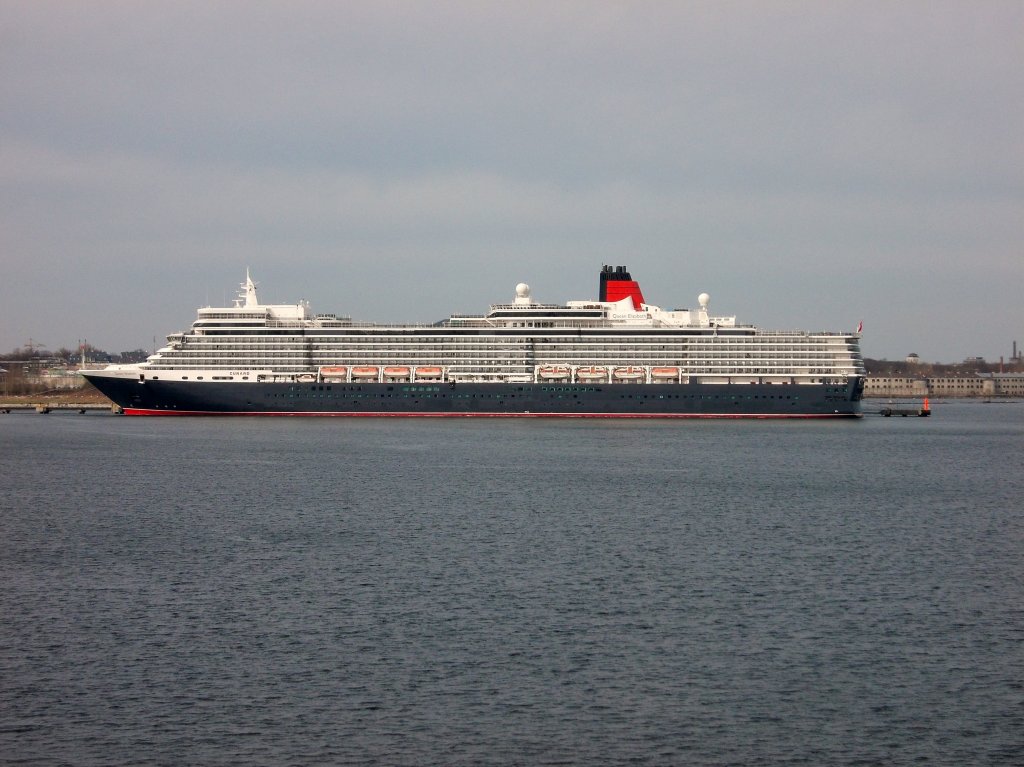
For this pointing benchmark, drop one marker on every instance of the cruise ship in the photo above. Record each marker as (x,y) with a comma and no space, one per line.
(614,356)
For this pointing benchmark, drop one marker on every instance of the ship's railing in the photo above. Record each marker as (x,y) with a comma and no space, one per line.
(310,324)
(535,324)
(805,333)
(504,360)
(549,374)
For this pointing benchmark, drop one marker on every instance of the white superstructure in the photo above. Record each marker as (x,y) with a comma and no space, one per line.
(624,340)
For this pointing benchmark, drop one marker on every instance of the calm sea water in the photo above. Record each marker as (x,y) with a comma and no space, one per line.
(321,591)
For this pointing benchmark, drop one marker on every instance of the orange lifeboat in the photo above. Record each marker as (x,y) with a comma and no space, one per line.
(428,373)
(628,374)
(333,374)
(396,372)
(664,374)
(365,372)
(592,373)
(553,372)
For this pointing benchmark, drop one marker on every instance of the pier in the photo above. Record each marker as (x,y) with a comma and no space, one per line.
(906,410)
(43,408)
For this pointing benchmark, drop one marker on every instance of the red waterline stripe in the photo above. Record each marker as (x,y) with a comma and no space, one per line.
(348,414)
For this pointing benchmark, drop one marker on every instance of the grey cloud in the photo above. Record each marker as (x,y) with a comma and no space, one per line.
(703,142)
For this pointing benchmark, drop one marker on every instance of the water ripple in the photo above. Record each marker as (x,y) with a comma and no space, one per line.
(410,593)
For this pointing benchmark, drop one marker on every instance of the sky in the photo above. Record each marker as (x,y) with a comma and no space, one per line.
(809,165)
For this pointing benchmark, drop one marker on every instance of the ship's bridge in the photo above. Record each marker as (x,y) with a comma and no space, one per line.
(249,312)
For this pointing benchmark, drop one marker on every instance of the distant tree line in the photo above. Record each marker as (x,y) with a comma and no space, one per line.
(39,356)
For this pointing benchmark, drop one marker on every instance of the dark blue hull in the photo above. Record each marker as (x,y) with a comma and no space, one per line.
(693,400)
